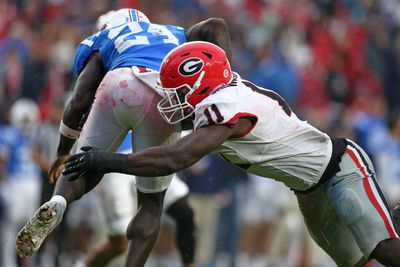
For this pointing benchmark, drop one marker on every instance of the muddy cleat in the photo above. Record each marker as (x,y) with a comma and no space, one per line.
(396,218)
(38,228)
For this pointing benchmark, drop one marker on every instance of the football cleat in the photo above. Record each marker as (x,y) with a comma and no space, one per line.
(396,218)
(32,235)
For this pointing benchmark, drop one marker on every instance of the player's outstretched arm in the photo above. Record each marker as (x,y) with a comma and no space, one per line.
(164,160)
(83,95)
(213,30)
(156,161)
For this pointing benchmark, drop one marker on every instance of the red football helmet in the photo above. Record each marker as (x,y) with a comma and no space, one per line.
(188,74)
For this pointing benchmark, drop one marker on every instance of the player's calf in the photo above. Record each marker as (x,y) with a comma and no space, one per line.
(387,252)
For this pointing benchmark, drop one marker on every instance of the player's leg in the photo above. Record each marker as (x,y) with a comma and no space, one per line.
(143,229)
(387,252)
(327,229)
(373,228)
(101,130)
(118,205)
(361,206)
(108,250)
(177,206)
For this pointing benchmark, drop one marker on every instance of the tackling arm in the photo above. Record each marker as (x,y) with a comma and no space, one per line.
(164,160)
(155,161)
(213,30)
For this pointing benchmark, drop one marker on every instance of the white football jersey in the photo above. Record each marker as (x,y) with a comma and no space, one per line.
(278,145)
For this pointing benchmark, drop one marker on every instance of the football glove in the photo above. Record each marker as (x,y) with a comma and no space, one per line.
(94,161)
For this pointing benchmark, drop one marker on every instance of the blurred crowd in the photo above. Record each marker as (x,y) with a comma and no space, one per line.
(337,62)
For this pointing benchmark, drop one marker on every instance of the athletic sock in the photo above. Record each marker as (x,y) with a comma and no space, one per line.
(60,200)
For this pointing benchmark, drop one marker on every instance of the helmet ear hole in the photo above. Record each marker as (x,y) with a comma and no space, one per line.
(204,90)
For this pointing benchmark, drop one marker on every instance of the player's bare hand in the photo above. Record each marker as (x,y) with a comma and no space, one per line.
(56,168)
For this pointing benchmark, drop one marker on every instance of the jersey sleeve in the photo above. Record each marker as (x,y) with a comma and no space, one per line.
(178,32)
(82,53)
(222,108)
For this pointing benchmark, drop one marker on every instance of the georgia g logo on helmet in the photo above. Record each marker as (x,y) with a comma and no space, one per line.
(191,66)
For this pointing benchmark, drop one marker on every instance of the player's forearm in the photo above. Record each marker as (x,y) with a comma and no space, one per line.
(155,161)
(164,160)
(70,124)
(75,110)
(158,161)
(64,145)
(149,162)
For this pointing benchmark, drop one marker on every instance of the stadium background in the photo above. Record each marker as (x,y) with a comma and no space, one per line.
(336,62)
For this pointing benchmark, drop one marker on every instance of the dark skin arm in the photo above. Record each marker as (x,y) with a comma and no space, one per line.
(159,160)
(83,96)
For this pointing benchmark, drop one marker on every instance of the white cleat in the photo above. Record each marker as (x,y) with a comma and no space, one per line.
(46,218)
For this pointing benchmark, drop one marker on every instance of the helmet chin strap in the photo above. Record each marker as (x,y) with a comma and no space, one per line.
(198,82)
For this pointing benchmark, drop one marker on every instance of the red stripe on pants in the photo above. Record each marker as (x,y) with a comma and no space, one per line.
(370,194)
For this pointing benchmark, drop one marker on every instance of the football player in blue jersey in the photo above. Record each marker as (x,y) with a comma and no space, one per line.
(21,174)
(119,204)
(118,72)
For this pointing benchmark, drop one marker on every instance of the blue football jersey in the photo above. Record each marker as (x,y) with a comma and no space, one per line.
(131,44)
(17,149)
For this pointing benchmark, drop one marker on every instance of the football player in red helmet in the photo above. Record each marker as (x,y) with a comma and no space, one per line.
(254,128)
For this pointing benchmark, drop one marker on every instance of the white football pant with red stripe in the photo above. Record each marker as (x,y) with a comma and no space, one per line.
(348,215)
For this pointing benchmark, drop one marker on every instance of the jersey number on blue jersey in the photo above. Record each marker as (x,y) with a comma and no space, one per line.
(132,37)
